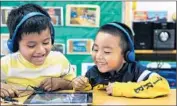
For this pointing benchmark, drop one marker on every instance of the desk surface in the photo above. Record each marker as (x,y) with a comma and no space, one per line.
(101,98)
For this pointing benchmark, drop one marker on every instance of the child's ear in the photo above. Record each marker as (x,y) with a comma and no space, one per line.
(122,52)
(124,61)
(123,55)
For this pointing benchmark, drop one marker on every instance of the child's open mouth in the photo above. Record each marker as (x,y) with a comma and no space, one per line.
(39,58)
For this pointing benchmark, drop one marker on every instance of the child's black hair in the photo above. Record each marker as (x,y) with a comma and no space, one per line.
(114,31)
(35,24)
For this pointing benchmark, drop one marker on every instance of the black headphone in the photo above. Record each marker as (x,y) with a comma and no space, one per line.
(130,54)
(10,42)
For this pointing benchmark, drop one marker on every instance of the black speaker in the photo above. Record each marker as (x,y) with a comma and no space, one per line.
(164,36)
(143,38)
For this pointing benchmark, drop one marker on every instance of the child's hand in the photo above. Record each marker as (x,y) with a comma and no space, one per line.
(109,89)
(50,84)
(8,90)
(80,83)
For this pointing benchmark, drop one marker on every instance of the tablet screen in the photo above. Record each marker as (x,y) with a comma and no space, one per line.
(61,98)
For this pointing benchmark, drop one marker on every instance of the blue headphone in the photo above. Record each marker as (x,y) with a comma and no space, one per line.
(10,42)
(130,54)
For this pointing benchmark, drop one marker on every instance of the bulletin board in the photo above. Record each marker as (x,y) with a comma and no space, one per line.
(72,37)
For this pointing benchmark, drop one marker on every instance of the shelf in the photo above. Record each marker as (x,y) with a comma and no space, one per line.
(154,52)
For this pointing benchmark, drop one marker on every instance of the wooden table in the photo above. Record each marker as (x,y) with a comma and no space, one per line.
(101,98)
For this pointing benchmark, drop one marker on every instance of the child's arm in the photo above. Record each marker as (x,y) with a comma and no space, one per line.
(55,83)
(8,90)
(81,83)
(64,77)
(154,86)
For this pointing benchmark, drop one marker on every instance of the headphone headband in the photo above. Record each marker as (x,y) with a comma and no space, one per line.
(130,54)
(127,34)
(22,21)
(10,42)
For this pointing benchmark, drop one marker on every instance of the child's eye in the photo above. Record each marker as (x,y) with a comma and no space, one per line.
(95,50)
(46,43)
(107,52)
(31,46)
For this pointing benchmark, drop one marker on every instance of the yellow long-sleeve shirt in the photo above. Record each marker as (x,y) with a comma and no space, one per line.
(15,69)
(133,80)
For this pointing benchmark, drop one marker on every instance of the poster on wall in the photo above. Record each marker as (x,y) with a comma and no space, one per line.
(4,47)
(56,15)
(79,46)
(83,15)
(59,47)
(158,16)
(4,15)
(86,67)
(140,16)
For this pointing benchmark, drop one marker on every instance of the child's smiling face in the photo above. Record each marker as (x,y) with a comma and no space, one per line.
(107,53)
(35,47)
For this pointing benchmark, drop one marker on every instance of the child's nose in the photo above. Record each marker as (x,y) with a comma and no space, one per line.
(99,55)
(40,49)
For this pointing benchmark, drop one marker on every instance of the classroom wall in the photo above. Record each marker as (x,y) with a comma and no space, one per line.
(109,11)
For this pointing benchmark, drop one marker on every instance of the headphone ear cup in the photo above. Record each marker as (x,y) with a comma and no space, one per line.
(10,45)
(130,56)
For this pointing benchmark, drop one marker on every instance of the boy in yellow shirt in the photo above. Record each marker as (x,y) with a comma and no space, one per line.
(116,70)
(32,63)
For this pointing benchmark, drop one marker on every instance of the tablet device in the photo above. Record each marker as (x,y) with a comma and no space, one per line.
(60,98)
